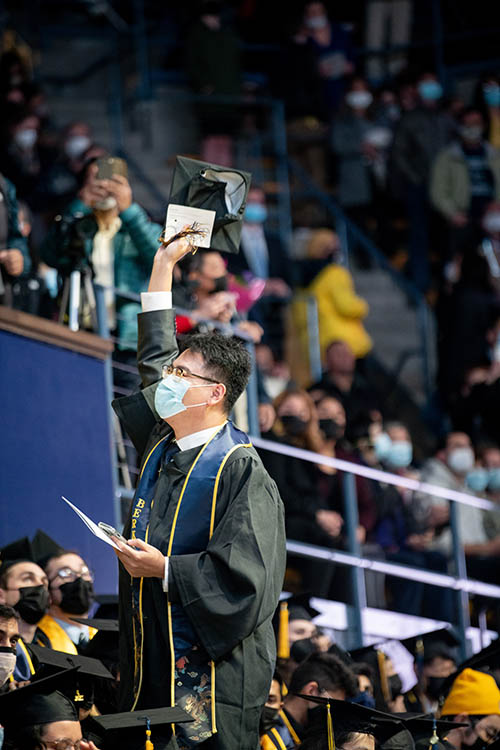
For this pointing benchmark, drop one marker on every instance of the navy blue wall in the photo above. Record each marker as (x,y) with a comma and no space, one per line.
(54,440)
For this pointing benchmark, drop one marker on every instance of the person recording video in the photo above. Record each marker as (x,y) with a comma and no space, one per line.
(105,230)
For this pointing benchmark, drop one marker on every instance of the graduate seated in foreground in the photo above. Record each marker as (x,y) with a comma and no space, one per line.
(474,699)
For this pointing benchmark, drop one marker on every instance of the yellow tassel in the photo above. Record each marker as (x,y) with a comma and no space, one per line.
(149,745)
(329,729)
(283,640)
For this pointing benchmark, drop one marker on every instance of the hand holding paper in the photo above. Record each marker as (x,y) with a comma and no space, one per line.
(94,528)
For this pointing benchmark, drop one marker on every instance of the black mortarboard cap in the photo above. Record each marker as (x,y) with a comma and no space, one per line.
(41,702)
(138,719)
(428,646)
(300,608)
(224,190)
(421,725)
(87,666)
(44,547)
(18,551)
(99,623)
(352,717)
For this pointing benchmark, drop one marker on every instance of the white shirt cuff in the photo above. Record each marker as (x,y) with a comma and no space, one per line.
(151,301)
(165,576)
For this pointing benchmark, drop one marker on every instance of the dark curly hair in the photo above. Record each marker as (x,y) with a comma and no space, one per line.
(328,671)
(226,359)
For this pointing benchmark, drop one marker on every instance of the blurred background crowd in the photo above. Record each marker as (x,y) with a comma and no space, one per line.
(368,278)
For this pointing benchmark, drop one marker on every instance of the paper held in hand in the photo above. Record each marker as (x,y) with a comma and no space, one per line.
(179,217)
(94,528)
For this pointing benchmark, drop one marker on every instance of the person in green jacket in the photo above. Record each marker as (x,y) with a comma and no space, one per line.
(105,229)
(465,178)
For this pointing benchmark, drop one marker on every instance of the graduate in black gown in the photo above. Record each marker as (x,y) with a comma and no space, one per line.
(202,572)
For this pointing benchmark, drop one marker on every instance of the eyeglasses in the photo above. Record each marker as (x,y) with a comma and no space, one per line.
(64,744)
(68,574)
(180,372)
(487,734)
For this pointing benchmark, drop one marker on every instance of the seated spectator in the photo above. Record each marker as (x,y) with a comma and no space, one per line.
(9,637)
(14,254)
(105,230)
(487,100)
(490,459)
(340,310)
(319,675)
(449,468)
(474,699)
(71,594)
(465,178)
(403,531)
(342,380)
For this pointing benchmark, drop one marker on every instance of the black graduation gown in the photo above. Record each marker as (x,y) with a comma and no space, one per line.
(230,591)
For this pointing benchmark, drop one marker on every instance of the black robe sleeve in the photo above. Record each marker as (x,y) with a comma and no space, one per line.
(230,589)
(157,345)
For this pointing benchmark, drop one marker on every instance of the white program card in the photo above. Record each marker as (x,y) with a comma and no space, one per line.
(94,528)
(180,216)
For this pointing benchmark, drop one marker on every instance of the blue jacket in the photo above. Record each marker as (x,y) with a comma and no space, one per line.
(135,245)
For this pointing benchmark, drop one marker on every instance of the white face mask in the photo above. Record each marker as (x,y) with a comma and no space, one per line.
(461,460)
(170,394)
(76,146)
(7,664)
(26,138)
(359,99)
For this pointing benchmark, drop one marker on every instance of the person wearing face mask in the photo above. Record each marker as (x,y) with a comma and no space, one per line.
(465,178)
(354,151)
(474,699)
(263,256)
(273,732)
(489,453)
(435,661)
(23,586)
(421,134)
(71,595)
(454,460)
(9,638)
(403,530)
(487,100)
(202,570)
(340,310)
(320,675)
(20,158)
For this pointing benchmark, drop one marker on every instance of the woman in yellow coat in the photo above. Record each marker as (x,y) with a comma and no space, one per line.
(340,310)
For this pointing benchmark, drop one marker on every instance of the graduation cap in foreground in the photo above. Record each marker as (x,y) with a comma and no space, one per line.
(438,643)
(89,671)
(99,623)
(342,717)
(125,728)
(224,190)
(41,702)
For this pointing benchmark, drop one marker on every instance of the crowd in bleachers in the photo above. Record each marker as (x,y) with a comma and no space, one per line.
(417,170)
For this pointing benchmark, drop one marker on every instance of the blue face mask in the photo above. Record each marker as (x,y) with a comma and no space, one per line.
(400,454)
(255,213)
(364,698)
(430,91)
(494,480)
(477,479)
(382,445)
(169,395)
(492,95)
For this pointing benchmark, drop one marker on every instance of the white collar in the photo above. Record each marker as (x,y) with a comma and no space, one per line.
(197,438)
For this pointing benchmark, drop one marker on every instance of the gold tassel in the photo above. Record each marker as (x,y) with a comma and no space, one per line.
(149,745)
(384,681)
(434,739)
(283,641)
(329,729)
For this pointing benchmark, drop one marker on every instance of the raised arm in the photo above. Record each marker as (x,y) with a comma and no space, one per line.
(157,343)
